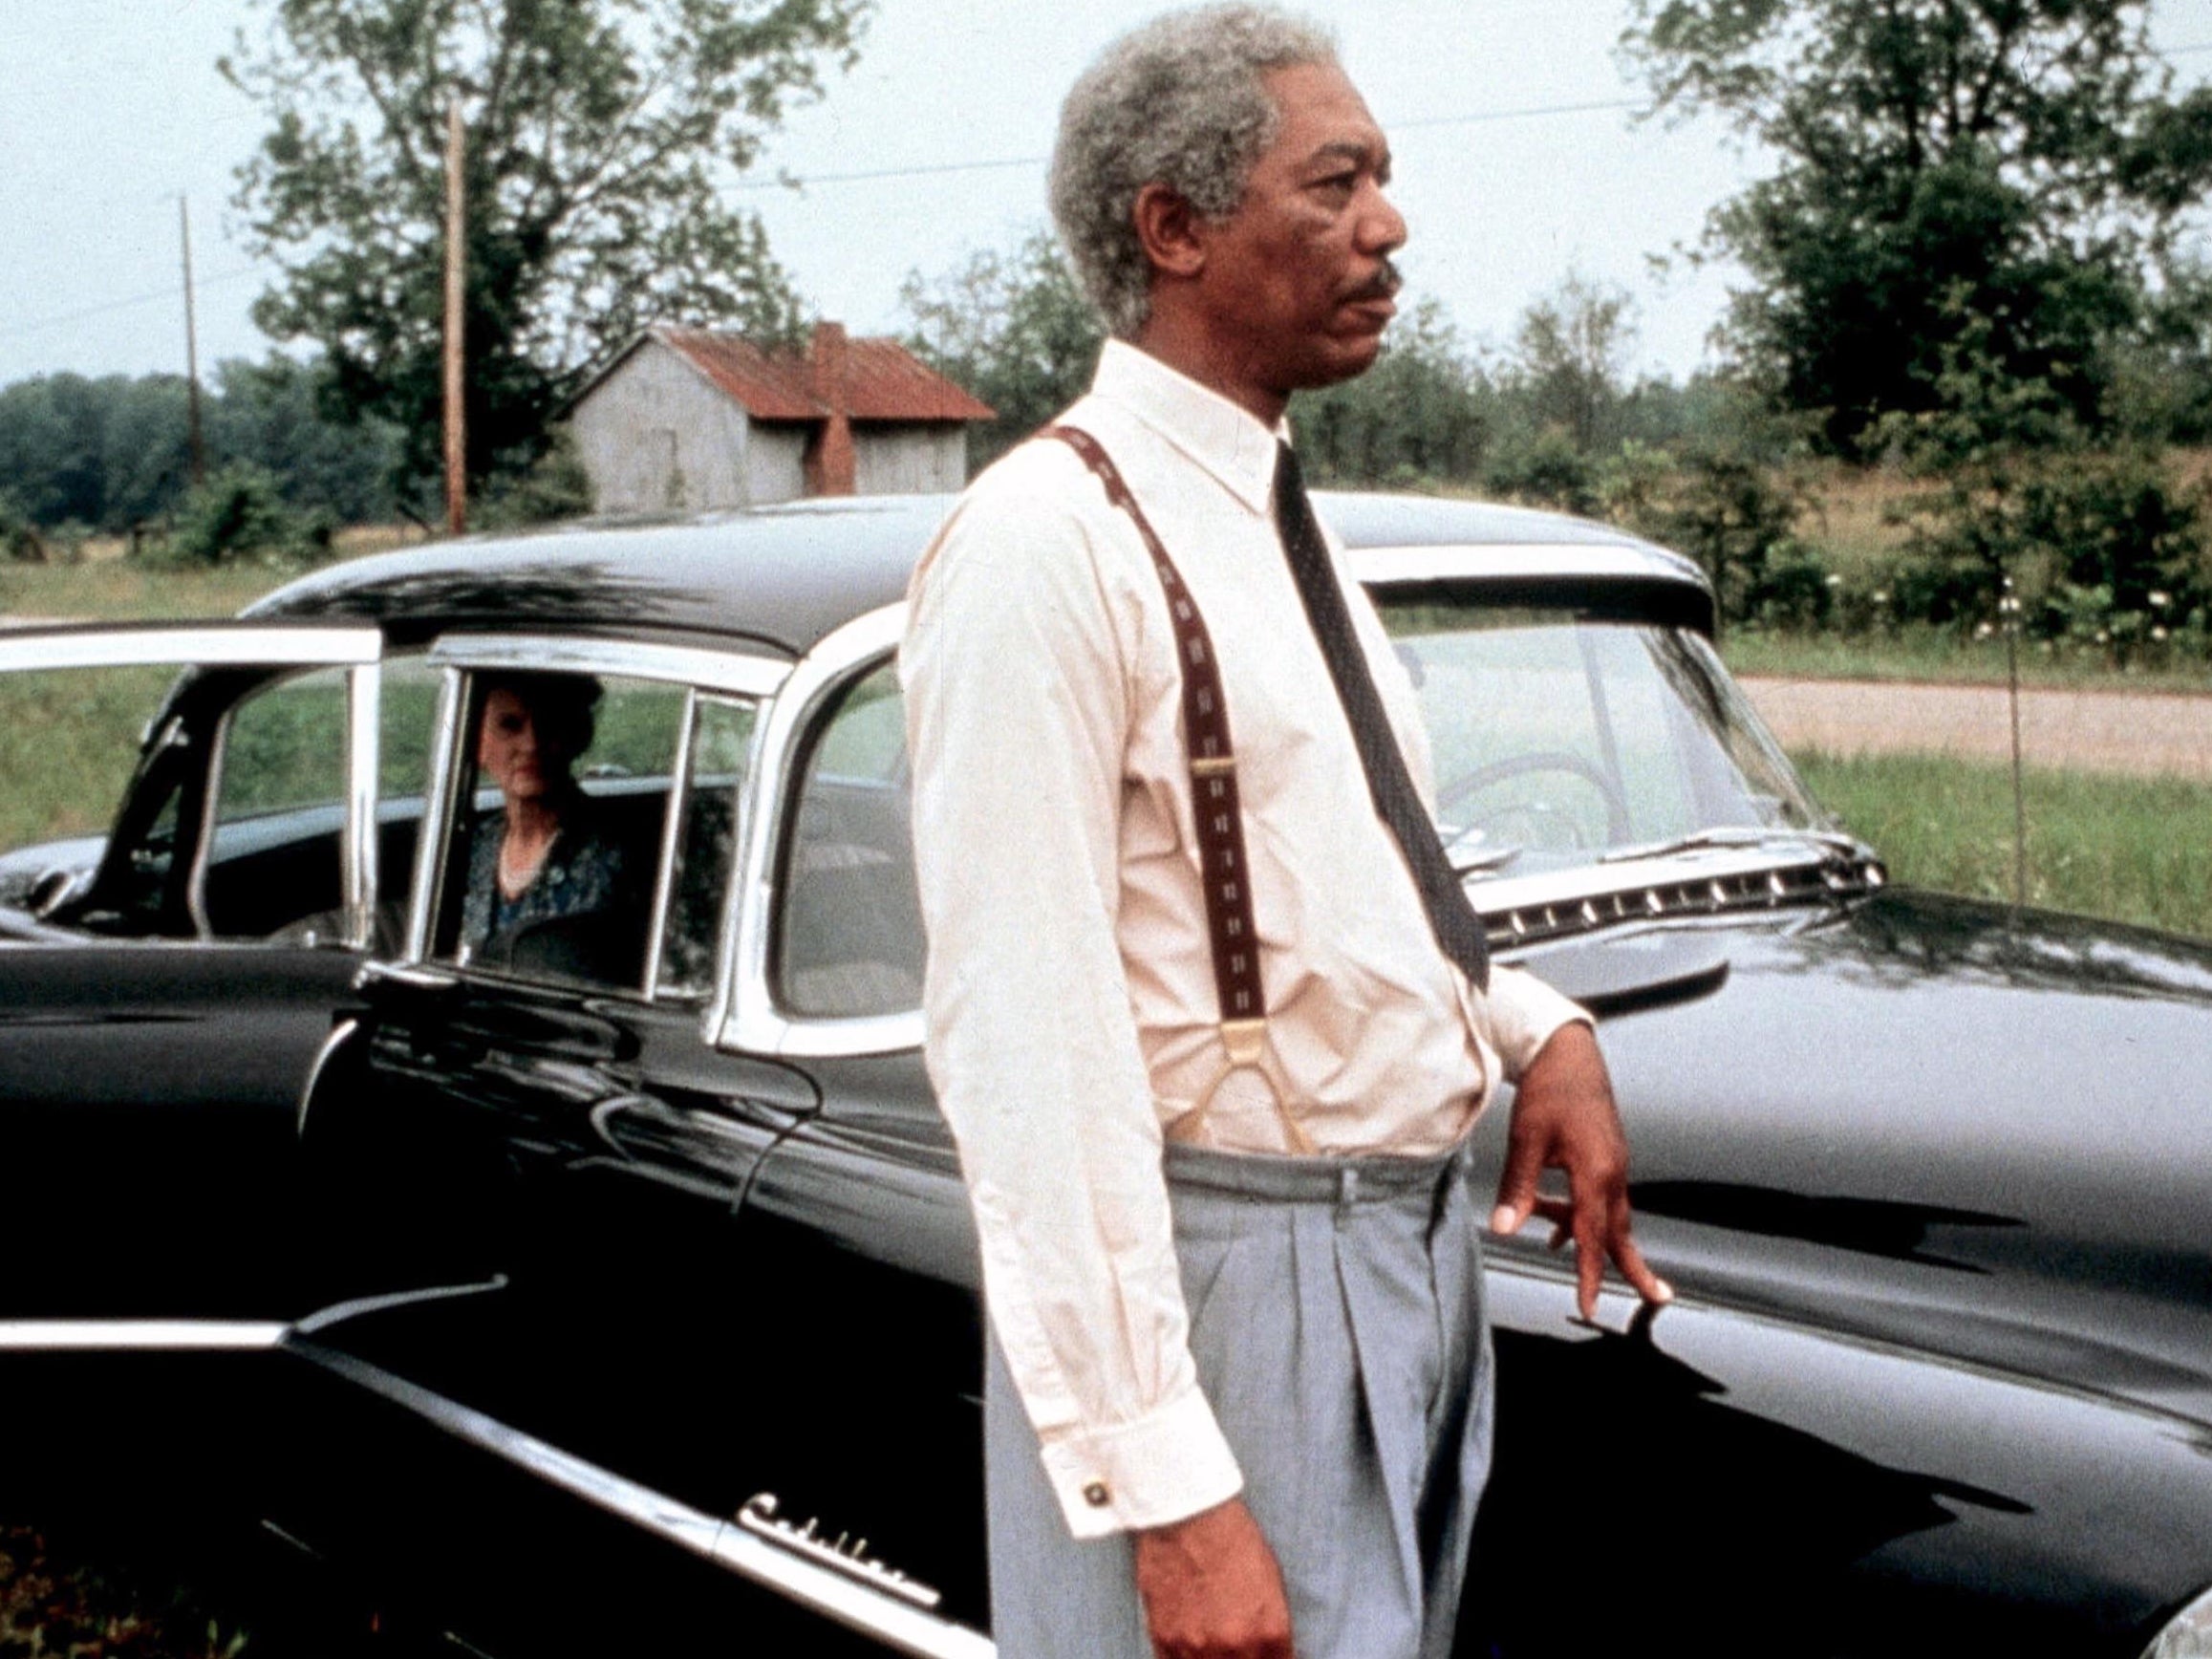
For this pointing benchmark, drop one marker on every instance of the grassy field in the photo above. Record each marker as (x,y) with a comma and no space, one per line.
(104,586)
(2127,849)
(2103,846)
(1927,654)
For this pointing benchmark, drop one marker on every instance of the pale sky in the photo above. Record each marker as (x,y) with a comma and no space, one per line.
(110,108)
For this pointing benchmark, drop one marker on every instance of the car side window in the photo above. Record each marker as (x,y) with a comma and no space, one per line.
(72,741)
(706,849)
(849,929)
(279,802)
(596,821)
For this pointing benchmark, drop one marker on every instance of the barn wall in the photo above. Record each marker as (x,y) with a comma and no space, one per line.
(657,437)
(777,464)
(898,459)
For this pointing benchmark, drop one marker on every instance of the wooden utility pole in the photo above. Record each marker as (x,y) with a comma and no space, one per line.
(456,297)
(197,442)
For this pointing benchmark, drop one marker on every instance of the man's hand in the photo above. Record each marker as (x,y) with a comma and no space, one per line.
(1211,1589)
(1564,1119)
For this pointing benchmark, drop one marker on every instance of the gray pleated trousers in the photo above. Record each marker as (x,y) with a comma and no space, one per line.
(1336,1323)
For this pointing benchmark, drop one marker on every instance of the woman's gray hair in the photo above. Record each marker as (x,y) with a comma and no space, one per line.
(1177,102)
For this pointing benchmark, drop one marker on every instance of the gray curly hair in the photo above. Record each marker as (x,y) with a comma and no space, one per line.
(1176,101)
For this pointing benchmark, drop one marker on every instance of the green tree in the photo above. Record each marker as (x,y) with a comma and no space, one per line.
(2016,165)
(601,135)
(1570,356)
(108,452)
(1013,328)
(273,414)
(1416,417)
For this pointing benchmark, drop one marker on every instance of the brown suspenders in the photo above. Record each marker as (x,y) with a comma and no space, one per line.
(1220,821)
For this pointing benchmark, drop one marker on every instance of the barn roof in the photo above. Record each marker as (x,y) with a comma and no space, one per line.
(880,378)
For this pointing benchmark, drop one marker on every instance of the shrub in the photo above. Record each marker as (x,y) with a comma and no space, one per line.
(554,487)
(19,537)
(1546,470)
(1736,515)
(239,512)
(2105,547)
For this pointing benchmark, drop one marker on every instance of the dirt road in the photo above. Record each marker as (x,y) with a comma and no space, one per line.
(2142,733)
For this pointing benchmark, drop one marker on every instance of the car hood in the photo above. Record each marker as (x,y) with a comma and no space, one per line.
(1965,1128)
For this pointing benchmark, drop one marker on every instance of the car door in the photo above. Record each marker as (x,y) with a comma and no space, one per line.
(189,884)
(528,1159)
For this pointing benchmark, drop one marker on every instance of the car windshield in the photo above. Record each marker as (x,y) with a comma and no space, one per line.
(1559,741)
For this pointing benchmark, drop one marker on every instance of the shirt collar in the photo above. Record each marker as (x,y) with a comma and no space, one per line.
(1218,435)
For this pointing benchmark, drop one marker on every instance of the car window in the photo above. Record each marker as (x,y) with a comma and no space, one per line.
(849,934)
(68,745)
(597,815)
(279,805)
(722,748)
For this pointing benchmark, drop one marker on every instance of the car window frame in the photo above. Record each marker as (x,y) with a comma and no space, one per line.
(1640,582)
(280,647)
(747,1015)
(709,671)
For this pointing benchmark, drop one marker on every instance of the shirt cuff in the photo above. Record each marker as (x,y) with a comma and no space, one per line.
(1524,1012)
(1162,1467)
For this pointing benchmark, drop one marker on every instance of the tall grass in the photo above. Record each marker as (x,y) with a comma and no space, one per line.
(1934,654)
(2135,850)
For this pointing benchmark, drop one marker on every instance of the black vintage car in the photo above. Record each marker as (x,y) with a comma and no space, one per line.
(617,1286)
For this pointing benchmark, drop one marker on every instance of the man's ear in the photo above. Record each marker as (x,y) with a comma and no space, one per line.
(1171,231)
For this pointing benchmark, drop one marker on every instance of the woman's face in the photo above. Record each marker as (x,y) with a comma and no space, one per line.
(512,752)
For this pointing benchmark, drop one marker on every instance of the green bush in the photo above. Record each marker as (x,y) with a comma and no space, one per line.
(2105,548)
(240,512)
(554,487)
(19,537)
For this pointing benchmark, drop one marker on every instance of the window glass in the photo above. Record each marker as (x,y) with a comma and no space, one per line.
(849,939)
(279,810)
(274,866)
(69,743)
(722,745)
(565,784)
(1557,740)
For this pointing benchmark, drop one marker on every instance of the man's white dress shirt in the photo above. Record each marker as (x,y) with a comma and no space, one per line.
(1072,1021)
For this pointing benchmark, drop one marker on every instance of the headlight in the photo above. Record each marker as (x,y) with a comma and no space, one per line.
(2188,1633)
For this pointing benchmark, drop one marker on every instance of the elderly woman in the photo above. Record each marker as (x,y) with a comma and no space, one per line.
(546,854)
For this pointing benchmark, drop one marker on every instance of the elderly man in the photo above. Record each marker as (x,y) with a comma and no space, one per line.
(1208,1011)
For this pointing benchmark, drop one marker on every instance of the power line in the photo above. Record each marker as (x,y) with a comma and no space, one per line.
(151,294)
(1471,118)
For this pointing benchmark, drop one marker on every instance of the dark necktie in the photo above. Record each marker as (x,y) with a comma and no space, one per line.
(1458,929)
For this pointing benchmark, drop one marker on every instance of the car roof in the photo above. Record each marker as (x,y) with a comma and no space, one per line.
(784,576)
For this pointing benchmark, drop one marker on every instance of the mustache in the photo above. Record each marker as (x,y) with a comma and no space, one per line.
(1385,284)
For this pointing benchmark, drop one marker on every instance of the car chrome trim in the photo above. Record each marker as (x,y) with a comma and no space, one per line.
(437,810)
(340,1034)
(634,659)
(837,1594)
(358,844)
(761,1516)
(744,1014)
(412,974)
(1521,561)
(338,1312)
(191,644)
(1532,908)
(203,833)
(672,826)
(139,1335)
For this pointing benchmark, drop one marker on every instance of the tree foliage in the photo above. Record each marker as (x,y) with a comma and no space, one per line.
(1570,357)
(1416,417)
(2020,166)
(602,135)
(1012,327)
(110,453)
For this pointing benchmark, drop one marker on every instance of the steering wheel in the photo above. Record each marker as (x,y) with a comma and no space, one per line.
(1462,789)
